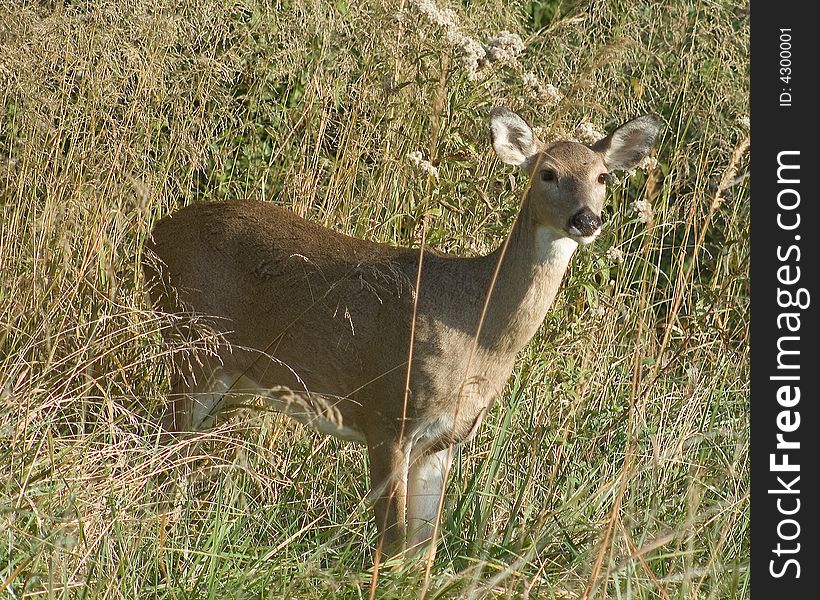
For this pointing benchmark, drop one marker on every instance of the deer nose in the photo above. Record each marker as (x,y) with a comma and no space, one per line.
(584,223)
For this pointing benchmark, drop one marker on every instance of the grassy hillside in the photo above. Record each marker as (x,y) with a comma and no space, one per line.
(616,463)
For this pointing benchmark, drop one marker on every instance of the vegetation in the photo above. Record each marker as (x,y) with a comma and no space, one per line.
(616,464)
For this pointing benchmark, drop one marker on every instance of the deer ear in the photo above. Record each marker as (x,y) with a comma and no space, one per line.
(630,143)
(513,140)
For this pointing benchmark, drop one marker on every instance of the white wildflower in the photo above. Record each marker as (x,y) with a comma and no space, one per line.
(647,164)
(530,79)
(643,208)
(445,18)
(599,311)
(416,159)
(429,169)
(744,122)
(551,93)
(469,52)
(539,91)
(587,133)
(505,47)
(615,255)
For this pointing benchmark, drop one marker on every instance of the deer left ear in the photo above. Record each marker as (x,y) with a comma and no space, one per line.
(630,143)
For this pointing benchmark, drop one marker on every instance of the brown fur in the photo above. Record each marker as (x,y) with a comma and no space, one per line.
(320,323)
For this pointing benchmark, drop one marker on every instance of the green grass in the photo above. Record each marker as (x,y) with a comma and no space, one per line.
(617,460)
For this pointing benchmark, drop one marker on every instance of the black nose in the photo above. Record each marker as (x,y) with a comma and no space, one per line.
(585,221)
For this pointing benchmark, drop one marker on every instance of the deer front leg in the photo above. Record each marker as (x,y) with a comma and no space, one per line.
(198,388)
(425,486)
(388,478)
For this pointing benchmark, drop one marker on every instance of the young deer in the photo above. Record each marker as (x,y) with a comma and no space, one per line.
(402,350)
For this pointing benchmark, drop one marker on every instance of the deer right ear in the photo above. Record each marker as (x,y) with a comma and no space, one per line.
(513,140)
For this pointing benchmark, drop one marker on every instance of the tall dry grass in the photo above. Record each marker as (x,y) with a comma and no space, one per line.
(616,464)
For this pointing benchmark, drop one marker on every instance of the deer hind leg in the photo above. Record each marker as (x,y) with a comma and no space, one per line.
(425,486)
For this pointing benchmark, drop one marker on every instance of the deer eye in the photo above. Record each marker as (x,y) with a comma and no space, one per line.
(603,178)
(548,175)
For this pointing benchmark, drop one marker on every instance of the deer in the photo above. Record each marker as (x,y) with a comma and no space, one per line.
(401,349)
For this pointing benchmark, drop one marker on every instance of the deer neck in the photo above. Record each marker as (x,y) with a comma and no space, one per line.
(532,267)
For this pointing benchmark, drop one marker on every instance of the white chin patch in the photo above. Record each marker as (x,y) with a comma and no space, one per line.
(583,239)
